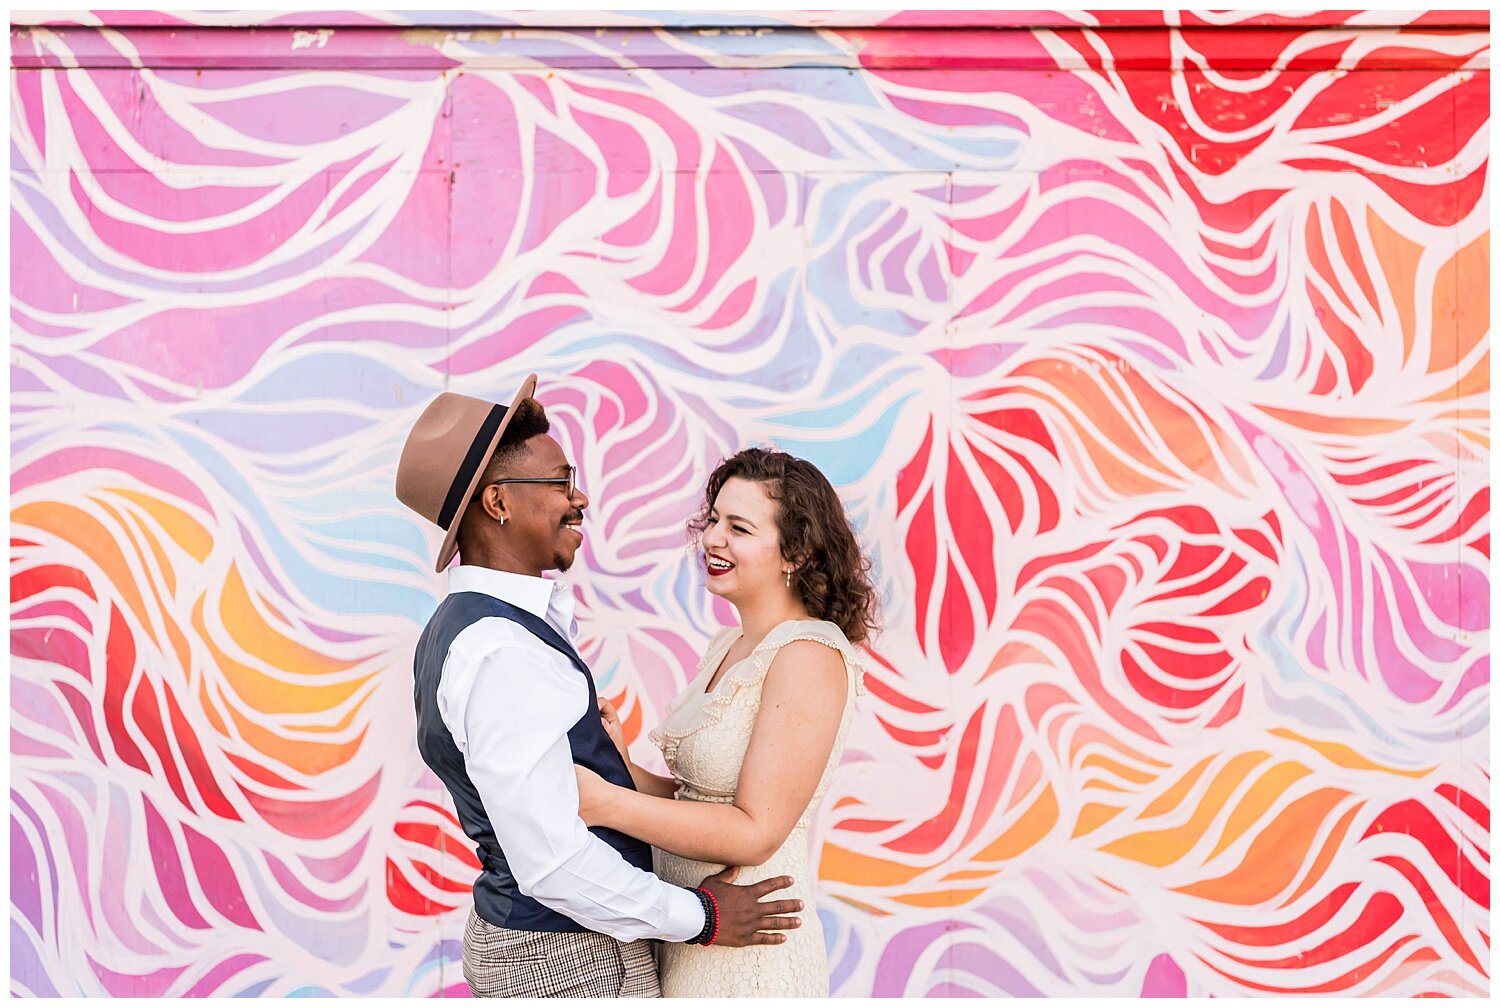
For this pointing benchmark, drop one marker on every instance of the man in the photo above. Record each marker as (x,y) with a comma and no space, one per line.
(505,708)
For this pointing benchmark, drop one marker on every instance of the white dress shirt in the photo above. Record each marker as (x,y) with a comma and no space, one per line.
(509,699)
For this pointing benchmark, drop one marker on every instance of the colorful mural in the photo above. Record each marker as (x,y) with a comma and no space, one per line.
(1151,357)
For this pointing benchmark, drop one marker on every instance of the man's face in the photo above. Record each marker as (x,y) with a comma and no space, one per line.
(543,526)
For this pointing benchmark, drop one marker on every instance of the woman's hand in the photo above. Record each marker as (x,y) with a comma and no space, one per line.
(645,781)
(610,718)
(594,793)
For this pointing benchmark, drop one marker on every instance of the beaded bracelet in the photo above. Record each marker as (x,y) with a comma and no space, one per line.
(710,930)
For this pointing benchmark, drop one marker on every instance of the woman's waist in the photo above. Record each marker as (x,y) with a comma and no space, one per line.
(688,791)
(687,872)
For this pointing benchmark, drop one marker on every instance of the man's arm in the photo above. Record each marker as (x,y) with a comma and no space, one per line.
(509,715)
(512,730)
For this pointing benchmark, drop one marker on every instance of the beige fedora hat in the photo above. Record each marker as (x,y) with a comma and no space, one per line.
(445,455)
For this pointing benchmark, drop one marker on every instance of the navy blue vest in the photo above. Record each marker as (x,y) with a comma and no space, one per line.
(496,897)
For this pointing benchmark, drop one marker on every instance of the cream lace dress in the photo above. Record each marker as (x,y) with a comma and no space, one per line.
(704,737)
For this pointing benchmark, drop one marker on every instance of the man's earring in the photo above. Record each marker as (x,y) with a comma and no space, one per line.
(502,519)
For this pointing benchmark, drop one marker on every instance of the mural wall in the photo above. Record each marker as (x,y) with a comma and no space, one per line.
(1150,356)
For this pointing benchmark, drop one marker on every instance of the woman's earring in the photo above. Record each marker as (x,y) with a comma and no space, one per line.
(788,579)
(502,519)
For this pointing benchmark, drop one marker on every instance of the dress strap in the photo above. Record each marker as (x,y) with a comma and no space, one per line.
(824,633)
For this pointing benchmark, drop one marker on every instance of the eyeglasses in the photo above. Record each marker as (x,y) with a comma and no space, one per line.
(571,480)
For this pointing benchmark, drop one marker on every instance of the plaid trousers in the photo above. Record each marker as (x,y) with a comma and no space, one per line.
(499,962)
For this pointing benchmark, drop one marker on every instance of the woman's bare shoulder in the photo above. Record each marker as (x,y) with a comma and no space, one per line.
(810,669)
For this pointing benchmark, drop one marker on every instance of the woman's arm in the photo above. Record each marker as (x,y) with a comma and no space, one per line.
(649,783)
(802,702)
(645,781)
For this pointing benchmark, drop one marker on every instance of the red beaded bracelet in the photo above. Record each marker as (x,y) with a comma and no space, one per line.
(710,917)
(715,933)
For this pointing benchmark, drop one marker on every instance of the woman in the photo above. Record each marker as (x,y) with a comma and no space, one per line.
(753,740)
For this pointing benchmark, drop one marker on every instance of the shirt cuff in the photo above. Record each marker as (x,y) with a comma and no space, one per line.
(684,915)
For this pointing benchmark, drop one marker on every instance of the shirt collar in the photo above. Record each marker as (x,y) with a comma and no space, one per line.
(534,594)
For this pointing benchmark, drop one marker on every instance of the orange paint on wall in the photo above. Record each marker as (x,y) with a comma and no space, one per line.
(1460,305)
(1273,783)
(184,530)
(1341,755)
(842,865)
(301,755)
(1400,258)
(288,677)
(74,525)
(1162,847)
(1275,857)
(1027,831)
(1331,848)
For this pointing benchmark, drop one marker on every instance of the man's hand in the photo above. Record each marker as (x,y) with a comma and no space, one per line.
(610,718)
(743,918)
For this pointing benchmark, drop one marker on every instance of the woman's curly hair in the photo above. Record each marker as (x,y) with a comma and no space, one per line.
(832,573)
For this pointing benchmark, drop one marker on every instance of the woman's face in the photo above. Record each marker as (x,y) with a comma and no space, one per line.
(741,547)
